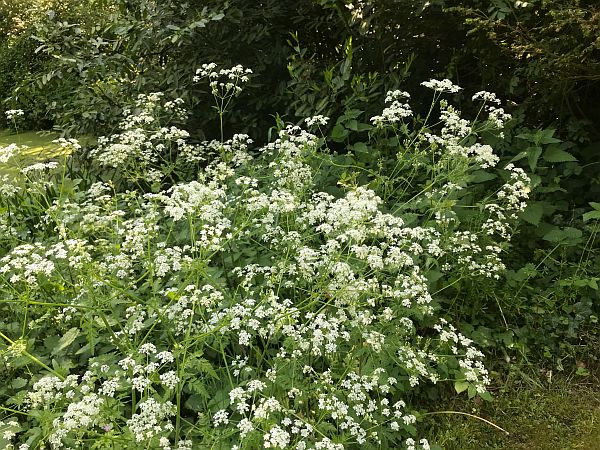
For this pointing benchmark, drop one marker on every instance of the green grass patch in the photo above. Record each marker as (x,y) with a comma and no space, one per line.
(39,146)
(39,142)
(561,415)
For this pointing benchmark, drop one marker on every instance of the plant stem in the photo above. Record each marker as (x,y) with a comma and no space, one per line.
(467,414)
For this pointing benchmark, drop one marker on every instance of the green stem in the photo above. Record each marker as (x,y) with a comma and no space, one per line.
(33,358)
(14,411)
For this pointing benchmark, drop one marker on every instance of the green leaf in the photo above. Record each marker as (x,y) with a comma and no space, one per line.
(461,386)
(519,156)
(472,391)
(568,235)
(360,147)
(195,402)
(591,215)
(364,127)
(204,366)
(18,383)
(352,125)
(533,213)
(555,154)
(339,133)
(479,176)
(546,136)
(486,396)
(434,275)
(533,154)
(66,340)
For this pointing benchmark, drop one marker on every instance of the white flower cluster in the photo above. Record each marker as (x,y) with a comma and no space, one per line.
(496,116)
(316,120)
(151,420)
(86,401)
(10,151)
(396,112)
(511,201)
(474,258)
(176,109)
(470,357)
(444,85)
(143,145)
(454,127)
(483,154)
(232,78)
(79,416)
(50,389)
(28,263)
(12,114)
(486,97)
(71,144)
(39,167)
(236,148)
(9,431)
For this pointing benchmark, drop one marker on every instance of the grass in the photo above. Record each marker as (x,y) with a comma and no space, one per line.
(563,414)
(39,142)
(40,147)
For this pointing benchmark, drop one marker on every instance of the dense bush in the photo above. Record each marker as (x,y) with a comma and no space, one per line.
(545,53)
(96,64)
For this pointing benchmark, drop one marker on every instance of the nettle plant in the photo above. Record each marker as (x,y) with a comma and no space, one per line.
(244,307)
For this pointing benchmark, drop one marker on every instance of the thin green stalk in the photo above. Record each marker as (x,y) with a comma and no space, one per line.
(33,358)
(470,415)
(14,411)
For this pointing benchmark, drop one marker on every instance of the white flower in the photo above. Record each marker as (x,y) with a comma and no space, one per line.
(245,426)
(14,113)
(147,349)
(148,422)
(486,97)
(38,167)
(391,96)
(318,120)
(169,379)
(444,85)
(276,438)
(220,418)
(8,152)
(394,113)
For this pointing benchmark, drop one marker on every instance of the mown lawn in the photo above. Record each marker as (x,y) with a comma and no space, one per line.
(40,146)
(39,142)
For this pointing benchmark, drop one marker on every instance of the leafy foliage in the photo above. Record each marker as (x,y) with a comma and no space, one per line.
(544,53)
